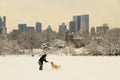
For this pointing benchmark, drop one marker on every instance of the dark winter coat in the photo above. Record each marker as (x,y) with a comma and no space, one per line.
(43,58)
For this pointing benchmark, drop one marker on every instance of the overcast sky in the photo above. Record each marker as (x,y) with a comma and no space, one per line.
(54,12)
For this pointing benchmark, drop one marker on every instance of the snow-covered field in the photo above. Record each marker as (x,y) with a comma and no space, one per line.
(72,68)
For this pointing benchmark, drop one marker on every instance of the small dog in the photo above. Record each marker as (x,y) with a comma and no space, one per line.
(54,66)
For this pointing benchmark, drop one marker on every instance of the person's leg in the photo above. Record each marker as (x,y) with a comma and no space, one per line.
(41,66)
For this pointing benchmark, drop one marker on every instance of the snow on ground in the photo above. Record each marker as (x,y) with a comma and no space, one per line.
(72,68)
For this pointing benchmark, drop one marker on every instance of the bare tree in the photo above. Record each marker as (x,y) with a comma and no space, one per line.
(47,37)
(22,39)
(95,47)
(31,40)
(1,45)
(92,48)
(112,42)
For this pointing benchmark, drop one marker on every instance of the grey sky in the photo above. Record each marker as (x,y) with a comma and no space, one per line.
(54,12)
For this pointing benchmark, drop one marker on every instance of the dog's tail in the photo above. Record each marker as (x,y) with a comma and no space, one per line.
(59,66)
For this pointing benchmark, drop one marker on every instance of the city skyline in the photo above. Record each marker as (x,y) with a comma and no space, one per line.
(55,12)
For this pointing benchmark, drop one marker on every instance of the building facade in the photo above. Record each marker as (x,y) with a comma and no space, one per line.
(49,28)
(30,28)
(3,29)
(22,27)
(102,29)
(62,28)
(81,23)
(84,23)
(72,26)
(38,27)
(77,20)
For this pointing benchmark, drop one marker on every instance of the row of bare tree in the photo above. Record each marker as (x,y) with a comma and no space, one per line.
(97,44)
(32,39)
(105,44)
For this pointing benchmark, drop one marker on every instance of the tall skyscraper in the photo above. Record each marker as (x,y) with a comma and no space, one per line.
(85,23)
(62,28)
(81,23)
(72,26)
(0,25)
(38,27)
(77,20)
(3,29)
(4,21)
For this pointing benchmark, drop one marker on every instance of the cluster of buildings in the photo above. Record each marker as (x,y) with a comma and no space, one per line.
(24,27)
(37,28)
(3,29)
(79,23)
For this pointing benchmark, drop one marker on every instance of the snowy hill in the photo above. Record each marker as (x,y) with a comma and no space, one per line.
(72,68)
